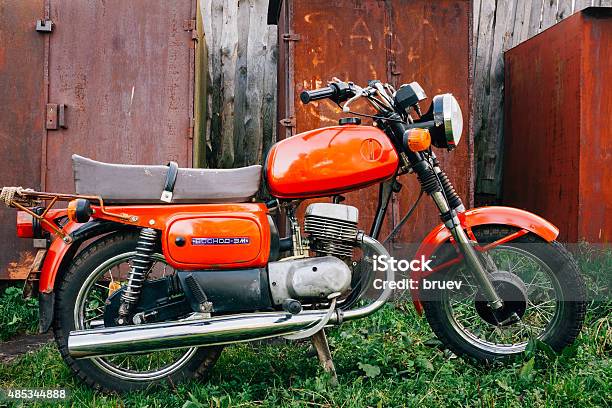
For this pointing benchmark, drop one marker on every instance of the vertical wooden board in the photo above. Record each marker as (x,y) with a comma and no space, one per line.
(520,31)
(549,13)
(582,4)
(22,120)
(535,17)
(127,90)
(491,152)
(595,221)
(270,83)
(201,91)
(564,9)
(229,56)
(481,79)
(241,68)
(254,90)
(431,45)
(541,156)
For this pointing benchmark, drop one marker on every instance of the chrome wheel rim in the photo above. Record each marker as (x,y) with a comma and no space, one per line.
(544,304)
(130,366)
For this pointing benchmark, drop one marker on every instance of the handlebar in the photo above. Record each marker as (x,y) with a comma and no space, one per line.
(316,94)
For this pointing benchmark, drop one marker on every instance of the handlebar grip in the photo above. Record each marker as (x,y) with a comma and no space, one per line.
(321,93)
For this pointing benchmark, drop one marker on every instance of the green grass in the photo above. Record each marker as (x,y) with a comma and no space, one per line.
(388,360)
(17,315)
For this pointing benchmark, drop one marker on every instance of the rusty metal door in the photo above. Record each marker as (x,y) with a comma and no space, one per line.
(124,72)
(393,41)
(22,100)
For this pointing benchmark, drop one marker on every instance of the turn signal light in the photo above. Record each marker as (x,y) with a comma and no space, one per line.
(79,210)
(417,140)
(25,225)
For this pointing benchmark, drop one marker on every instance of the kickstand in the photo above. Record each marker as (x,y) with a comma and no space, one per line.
(319,341)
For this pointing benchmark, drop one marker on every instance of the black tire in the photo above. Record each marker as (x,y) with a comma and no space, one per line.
(568,319)
(67,289)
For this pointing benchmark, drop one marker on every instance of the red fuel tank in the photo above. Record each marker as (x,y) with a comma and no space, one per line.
(330,160)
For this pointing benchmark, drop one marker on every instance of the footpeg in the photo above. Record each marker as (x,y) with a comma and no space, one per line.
(292,306)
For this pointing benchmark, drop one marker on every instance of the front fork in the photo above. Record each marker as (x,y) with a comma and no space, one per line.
(481,275)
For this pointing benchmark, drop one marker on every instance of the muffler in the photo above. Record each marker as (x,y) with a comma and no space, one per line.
(216,330)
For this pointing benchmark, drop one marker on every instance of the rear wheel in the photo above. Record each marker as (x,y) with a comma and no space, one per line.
(540,283)
(82,292)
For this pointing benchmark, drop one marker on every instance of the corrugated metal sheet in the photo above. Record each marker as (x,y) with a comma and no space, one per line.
(394,41)
(558,143)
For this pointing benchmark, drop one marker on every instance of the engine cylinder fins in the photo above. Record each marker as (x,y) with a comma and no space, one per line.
(332,228)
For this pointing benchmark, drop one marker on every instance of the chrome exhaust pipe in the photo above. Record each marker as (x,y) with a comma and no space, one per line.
(216,330)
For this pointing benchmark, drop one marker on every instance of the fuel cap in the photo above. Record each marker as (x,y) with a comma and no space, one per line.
(349,121)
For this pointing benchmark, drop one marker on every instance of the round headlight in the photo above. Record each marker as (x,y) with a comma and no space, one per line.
(448,119)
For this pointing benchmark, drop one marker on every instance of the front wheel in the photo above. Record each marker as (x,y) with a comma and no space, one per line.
(94,275)
(541,283)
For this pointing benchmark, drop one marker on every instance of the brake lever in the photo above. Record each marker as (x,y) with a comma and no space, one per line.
(359,92)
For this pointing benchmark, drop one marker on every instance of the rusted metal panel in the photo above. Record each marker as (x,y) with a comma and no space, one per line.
(124,71)
(394,41)
(595,211)
(558,137)
(22,120)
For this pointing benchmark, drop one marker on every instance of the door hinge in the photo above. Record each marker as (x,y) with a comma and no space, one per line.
(44,26)
(288,122)
(191,25)
(291,37)
(56,116)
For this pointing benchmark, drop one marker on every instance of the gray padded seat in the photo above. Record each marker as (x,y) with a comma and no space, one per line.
(123,183)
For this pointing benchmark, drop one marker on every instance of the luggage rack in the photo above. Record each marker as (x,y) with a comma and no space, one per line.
(26,199)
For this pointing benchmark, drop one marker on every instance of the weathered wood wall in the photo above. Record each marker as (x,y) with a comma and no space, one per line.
(498,26)
(241,109)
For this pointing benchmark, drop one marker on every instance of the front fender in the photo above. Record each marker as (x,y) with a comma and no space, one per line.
(495,215)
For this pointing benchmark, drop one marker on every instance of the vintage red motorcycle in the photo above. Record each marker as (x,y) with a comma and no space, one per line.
(150,270)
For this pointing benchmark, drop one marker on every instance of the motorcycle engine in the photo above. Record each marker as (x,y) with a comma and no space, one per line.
(332,235)
(331,228)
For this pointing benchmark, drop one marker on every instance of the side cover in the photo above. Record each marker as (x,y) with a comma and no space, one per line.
(329,161)
(217,240)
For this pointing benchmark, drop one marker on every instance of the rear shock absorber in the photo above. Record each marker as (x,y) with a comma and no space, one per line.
(141,264)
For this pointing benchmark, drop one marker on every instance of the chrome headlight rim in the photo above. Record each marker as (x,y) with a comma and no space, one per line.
(449,118)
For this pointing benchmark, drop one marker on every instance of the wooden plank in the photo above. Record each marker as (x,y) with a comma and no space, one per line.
(242,67)
(201,89)
(521,22)
(491,151)
(564,9)
(476,5)
(255,81)
(582,4)
(482,66)
(229,57)
(549,14)
(268,109)
(213,26)
(535,17)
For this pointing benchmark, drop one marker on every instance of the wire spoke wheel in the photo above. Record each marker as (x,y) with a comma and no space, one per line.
(539,282)
(89,311)
(543,303)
